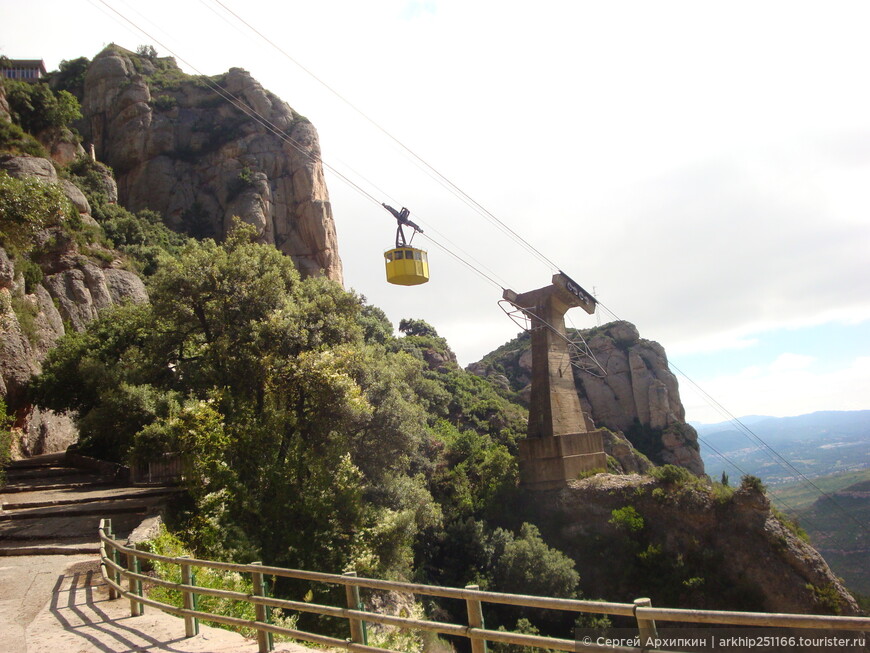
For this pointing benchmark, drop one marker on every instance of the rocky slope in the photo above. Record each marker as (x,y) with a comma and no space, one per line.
(179,148)
(624,386)
(694,547)
(75,285)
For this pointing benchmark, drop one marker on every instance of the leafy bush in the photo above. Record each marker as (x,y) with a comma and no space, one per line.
(25,312)
(674,476)
(166,544)
(31,272)
(35,107)
(27,206)
(525,564)
(165,102)
(15,140)
(70,77)
(749,483)
(826,598)
(626,519)
(791,525)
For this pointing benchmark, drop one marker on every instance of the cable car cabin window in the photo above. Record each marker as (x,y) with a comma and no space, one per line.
(400,254)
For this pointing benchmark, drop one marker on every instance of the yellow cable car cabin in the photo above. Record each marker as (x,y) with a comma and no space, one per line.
(407,266)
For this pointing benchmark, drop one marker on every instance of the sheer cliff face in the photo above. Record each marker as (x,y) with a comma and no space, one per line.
(179,148)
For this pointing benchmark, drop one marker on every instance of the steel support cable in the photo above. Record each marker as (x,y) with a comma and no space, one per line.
(463,261)
(481,209)
(573,348)
(274,129)
(774,455)
(447,183)
(250,112)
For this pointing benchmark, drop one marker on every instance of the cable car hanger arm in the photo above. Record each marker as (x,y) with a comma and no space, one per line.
(402,219)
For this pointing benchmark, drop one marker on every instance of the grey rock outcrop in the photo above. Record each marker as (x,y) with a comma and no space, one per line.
(638,394)
(625,386)
(184,151)
(29,166)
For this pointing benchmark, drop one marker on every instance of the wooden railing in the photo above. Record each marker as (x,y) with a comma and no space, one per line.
(169,468)
(115,574)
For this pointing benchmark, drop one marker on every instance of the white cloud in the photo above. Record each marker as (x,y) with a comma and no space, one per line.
(788,386)
(791,362)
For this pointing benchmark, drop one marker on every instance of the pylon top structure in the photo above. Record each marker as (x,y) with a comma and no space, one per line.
(558,446)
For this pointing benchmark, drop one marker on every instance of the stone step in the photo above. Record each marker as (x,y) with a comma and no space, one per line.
(83,495)
(105,507)
(19,475)
(61,483)
(39,547)
(62,529)
(45,460)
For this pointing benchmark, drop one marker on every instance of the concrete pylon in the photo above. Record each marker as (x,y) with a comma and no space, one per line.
(558,446)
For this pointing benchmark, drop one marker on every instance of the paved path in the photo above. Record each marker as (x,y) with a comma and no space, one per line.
(59,604)
(52,596)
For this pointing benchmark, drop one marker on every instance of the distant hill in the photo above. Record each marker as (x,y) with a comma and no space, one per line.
(817,444)
(839,527)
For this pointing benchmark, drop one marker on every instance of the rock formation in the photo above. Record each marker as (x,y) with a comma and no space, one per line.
(626,387)
(716,552)
(73,289)
(180,148)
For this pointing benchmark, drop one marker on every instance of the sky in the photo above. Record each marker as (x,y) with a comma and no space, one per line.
(701,167)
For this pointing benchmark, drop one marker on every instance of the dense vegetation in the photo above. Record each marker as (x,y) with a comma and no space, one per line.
(315,438)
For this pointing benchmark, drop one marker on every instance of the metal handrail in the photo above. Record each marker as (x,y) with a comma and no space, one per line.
(113,573)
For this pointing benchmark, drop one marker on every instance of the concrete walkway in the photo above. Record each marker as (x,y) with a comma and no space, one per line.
(51,604)
(52,596)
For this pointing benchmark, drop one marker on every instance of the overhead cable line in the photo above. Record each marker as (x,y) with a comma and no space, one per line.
(445,181)
(772,453)
(277,131)
(250,112)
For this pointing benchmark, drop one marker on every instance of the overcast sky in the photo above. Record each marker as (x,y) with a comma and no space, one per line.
(702,167)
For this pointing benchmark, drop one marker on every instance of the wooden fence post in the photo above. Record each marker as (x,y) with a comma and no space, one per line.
(475,620)
(263,640)
(191,624)
(116,558)
(135,585)
(357,626)
(110,554)
(646,627)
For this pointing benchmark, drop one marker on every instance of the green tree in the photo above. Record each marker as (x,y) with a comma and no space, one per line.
(36,108)
(70,77)
(527,565)
(306,439)
(417,328)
